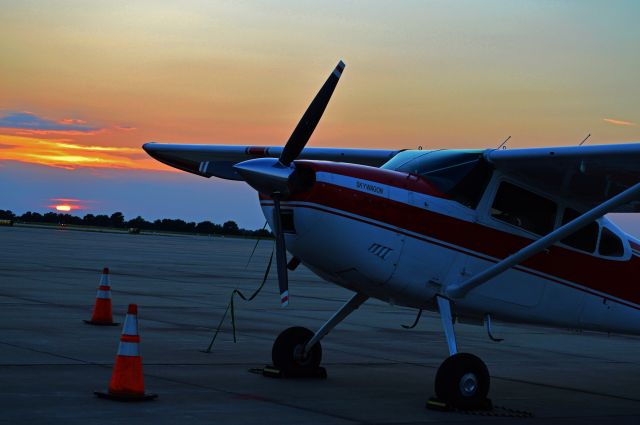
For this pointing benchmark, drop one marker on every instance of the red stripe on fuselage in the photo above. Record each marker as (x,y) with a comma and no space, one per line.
(606,276)
(455,248)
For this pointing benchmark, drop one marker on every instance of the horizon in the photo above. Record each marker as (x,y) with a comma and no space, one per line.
(68,213)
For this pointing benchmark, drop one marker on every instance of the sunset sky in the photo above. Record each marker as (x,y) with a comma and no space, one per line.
(83,84)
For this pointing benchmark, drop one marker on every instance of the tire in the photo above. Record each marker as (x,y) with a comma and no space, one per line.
(463,381)
(287,344)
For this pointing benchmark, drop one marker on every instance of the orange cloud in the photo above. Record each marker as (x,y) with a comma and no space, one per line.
(28,137)
(64,153)
(63,145)
(22,132)
(619,122)
(72,121)
(66,200)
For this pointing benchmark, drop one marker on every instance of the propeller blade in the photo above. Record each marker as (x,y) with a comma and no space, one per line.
(311,117)
(281,254)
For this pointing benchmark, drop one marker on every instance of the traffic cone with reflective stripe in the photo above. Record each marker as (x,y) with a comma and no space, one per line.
(102,314)
(127,381)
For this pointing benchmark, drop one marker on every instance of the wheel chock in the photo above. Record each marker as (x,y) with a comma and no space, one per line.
(271,371)
(483,408)
(435,404)
(442,406)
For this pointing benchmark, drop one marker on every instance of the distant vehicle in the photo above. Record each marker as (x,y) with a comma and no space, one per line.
(516,235)
(6,222)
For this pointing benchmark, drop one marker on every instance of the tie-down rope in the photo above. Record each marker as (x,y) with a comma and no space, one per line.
(230,306)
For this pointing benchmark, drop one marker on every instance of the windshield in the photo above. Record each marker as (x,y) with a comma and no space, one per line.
(461,174)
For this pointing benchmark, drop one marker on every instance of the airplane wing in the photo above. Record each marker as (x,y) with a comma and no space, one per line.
(583,175)
(218,160)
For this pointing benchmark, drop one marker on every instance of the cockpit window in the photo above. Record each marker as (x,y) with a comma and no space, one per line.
(519,207)
(462,175)
(584,239)
(610,244)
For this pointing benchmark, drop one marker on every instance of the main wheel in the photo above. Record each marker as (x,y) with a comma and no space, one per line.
(287,351)
(463,381)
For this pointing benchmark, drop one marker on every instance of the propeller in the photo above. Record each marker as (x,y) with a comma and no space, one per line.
(279,179)
(311,117)
(281,253)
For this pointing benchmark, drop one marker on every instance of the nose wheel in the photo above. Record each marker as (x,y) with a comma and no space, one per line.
(462,381)
(297,352)
(288,352)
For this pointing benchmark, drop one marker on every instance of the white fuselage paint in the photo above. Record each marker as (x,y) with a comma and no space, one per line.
(405,268)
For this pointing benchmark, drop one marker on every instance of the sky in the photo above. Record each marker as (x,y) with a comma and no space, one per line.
(83,84)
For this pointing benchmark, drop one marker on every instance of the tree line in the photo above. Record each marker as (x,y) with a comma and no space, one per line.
(118,220)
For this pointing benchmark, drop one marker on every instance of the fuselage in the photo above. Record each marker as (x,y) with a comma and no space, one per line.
(395,236)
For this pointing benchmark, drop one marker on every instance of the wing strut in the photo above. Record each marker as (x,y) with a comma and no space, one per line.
(461,289)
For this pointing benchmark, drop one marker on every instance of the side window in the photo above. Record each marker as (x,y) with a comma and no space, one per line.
(524,209)
(471,187)
(610,244)
(584,239)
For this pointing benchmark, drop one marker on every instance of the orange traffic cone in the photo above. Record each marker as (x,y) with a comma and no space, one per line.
(102,314)
(127,381)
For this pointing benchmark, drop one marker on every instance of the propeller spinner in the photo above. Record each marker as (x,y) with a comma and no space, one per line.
(278,179)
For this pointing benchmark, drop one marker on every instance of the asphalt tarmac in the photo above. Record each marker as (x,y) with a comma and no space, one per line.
(378,373)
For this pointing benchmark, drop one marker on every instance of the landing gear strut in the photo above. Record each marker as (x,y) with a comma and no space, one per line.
(462,380)
(297,351)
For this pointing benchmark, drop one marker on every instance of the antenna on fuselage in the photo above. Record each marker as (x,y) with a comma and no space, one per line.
(503,145)
(585,139)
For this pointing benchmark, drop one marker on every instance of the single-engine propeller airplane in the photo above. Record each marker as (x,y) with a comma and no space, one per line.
(517,235)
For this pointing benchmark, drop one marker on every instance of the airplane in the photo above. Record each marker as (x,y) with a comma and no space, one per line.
(516,235)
